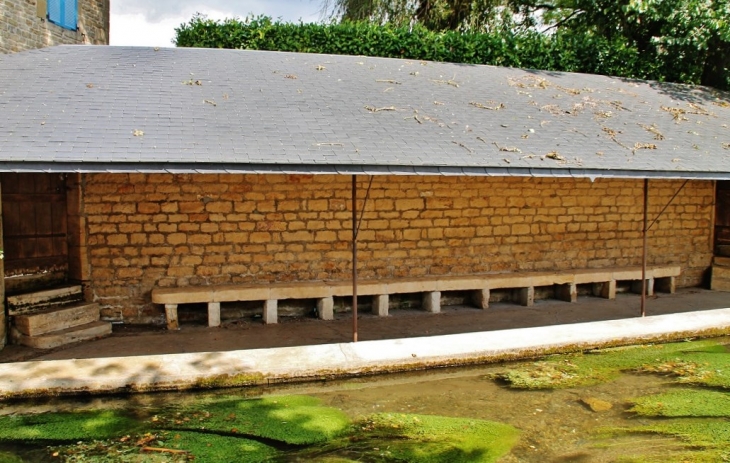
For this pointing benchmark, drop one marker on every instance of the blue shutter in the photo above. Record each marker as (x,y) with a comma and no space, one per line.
(63,13)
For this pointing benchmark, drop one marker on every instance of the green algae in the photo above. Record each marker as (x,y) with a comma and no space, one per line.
(292,419)
(709,366)
(6,457)
(59,427)
(684,403)
(215,448)
(394,437)
(604,365)
(704,440)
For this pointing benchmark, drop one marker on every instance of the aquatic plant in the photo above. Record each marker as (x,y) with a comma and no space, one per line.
(292,419)
(705,366)
(9,458)
(59,427)
(703,440)
(396,437)
(603,365)
(684,403)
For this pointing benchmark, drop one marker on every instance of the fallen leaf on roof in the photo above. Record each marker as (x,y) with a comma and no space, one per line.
(329,144)
(319,67)
(507,160)
(291,76)
(447,82)
(618,105)
(192,82)
(508,149)
(555,155)
(210,102)
(438,103)
(644,146)
(481,139)
(463,146)
(653,129)
(388,81)
(373,109)
(552,109)
(722,104)
(89,85)
(611,133)
(491,105)
(156,48)
(137,133)
(414,73)
(726,146)
(679,113)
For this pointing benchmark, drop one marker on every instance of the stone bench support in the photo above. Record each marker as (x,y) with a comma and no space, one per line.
(432,301)
(214,314)
(270,311)
(326,308)
(526,296)
(480,298)
(381,305)
(522,284)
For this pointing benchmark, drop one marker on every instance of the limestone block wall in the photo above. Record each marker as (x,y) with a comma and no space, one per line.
(22,28)
(168,230)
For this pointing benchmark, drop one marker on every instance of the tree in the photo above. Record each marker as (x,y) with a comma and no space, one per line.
(460,15)
(695,33)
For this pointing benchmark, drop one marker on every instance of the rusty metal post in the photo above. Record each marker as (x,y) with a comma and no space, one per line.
(643,257)
(354,258)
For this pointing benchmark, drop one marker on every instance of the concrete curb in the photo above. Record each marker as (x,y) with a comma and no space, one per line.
(302,363)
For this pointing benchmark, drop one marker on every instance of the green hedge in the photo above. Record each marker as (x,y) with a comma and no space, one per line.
(563,51)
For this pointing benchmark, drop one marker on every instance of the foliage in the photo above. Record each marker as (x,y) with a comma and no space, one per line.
(684,403)
(523,49)
(667,40)
(58,427)
(604,365)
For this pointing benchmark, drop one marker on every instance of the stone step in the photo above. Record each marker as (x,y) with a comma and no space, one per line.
(56,318)
(20,304)
(85,332)
(720,278)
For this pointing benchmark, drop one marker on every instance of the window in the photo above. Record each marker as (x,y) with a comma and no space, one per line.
(63,13)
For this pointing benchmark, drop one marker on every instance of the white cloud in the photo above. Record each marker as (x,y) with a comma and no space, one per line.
(135,23)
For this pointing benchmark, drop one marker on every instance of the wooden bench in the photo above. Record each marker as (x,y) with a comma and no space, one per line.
(564,284)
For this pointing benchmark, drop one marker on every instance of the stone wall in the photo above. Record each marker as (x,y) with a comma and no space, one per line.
(168,230)
(23,28)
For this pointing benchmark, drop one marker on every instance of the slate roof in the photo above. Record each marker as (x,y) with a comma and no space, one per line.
(124,109)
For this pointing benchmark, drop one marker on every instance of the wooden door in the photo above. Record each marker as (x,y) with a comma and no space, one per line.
(34,223)
(722,219)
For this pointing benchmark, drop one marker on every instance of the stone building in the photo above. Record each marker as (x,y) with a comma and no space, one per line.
(28,24)
(186,168)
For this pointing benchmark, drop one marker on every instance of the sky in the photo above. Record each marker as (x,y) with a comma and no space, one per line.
(153,23)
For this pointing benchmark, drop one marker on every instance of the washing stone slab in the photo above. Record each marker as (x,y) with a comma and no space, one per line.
(317,362)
